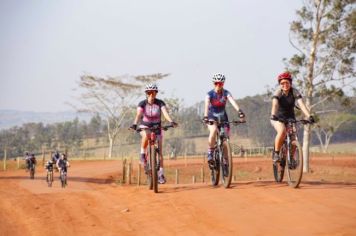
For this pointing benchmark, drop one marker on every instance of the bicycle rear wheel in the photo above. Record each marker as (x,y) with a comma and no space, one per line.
(226,164)
(279,167)
(215,171)
(295,165)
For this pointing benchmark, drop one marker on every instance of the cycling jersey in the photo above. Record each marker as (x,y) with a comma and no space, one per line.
(151,112)
(217,104)
(63,164)
(286,103)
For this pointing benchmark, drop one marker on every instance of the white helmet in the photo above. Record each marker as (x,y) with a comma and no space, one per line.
(151,87)
(219,78)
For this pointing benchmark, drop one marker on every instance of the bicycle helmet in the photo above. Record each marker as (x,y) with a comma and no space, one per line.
(151,87)
(219,78)
(285,75)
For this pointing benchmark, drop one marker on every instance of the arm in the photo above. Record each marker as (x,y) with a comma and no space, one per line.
(165,114)
(274,109)
(206,107)
(233,103)
(139,115)
(303,107)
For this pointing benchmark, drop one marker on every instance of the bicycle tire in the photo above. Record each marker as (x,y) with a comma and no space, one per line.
(63,180)
(226,164)
(154,170)
(50,178)
(149,169)
(279,167)
(215,171)
(32,172)
(295,166)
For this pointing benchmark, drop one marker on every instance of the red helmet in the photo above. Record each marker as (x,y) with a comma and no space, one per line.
(284,75)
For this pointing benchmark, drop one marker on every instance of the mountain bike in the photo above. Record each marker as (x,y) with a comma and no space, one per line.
(63,177)
(222,155)
(49,178)
(290,155)
(153,155)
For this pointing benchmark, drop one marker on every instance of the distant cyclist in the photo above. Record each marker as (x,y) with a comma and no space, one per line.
(215,102)
(63,163)
(283,103)
(56,156)
(49,165)
(27,160)
(32,160)
(148,115)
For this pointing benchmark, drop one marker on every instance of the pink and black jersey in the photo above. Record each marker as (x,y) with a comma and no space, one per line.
(217,103)
(151,112)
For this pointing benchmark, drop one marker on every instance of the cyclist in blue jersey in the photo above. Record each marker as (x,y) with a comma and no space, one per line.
(148,115)
(215,102)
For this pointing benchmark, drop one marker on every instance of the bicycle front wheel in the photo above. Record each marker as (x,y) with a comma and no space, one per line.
(226,164)
(295,164)
(49,178)
(63,179)
(32,172)
(215,171)
(154,163)
(279,167)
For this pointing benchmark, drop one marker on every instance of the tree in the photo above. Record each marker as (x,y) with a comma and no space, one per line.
(325,36)
(112,98)
(328,125)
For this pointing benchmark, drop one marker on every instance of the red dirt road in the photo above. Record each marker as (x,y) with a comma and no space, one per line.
(93,204)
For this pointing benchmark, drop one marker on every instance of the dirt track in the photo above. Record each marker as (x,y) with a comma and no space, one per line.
(93,204)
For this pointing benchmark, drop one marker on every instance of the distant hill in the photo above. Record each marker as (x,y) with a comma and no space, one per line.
(10,118)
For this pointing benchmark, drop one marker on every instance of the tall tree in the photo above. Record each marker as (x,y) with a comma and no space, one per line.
(325,36)
(112,98)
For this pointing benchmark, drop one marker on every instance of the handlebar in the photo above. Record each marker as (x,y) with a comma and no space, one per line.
(235,122)
(291,121)
(154,128)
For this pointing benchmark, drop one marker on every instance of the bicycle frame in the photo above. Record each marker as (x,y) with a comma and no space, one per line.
(222,155)
(153,155)
(290,155)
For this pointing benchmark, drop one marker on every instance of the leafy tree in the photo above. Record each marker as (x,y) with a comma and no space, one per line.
(112,98)
(324,34)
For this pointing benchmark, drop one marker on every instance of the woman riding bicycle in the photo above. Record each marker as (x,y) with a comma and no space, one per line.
(149,115)
(63,163)
(215,102)
(283,103)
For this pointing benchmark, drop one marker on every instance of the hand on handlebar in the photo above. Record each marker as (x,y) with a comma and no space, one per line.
(133,127)
(205,120)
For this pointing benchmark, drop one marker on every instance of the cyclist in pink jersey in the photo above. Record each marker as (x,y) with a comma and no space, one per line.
(215,102)
(148,115)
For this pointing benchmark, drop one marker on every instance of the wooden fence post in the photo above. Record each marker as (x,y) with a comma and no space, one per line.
(139,175)
(193,179)
(43,156)
(18,162)
(202,174)
(5,157)
(177,176)
(123,171)
(129,173)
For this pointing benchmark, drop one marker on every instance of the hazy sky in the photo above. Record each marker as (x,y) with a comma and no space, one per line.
(46,45)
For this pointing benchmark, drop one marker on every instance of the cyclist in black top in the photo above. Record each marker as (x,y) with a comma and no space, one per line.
(63,163)
(283,103)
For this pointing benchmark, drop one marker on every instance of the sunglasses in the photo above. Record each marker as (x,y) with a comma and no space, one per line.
(285,83)
(151,92)
(219,84)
